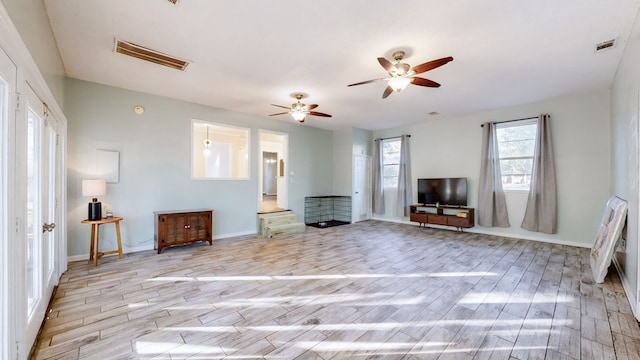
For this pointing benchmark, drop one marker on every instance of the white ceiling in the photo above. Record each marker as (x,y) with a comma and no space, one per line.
(248,54)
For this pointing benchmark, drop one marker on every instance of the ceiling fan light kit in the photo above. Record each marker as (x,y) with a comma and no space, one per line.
(401,74)
(298,110)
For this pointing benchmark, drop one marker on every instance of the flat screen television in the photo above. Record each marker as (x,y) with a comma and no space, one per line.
(443,191)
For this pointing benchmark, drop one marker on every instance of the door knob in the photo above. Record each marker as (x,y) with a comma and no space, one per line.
(48,227)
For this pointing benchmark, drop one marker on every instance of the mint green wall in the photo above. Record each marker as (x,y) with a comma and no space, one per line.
(625,97)
(362,142)
(31,20)
(450,147)
(342,162)
(346,143)
(155,163)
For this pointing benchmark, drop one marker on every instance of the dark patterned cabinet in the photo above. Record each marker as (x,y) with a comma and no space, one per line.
(458,217)
(182,227)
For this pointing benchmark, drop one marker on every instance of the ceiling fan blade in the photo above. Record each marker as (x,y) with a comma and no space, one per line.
(315,113)
(312,106)
(387,91)
(366,82)
(431,65)
(424,82)
(386,64)
(280,106)
(279,114)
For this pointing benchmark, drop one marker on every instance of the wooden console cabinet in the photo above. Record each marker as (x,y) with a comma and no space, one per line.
(442,215)
(182,227)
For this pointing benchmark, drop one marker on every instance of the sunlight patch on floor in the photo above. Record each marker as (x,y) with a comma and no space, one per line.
(507,298)
(318,277)
(383,326)
(138,305)
(355,345)
(155,347)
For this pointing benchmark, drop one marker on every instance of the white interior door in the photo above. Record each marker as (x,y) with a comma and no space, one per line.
(361,204)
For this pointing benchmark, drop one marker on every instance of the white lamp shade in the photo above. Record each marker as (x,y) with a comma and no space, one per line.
(94,188)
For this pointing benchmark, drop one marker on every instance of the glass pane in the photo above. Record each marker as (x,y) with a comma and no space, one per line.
(391,152)
(516,141)
(390,182)
(219,151)
(516,174)
(49,238)
(33,212)
(516,167)
(390,170)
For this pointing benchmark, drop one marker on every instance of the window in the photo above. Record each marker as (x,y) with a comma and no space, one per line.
(516,143)
(390,162)
(219,151)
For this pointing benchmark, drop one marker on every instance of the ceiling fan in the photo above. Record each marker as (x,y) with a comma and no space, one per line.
(298,110)
(401,74)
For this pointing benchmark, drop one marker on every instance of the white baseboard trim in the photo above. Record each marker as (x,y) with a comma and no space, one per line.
(242,233)
(633,301)
(127,250)
(495,233)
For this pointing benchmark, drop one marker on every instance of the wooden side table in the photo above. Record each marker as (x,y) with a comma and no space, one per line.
(95,227)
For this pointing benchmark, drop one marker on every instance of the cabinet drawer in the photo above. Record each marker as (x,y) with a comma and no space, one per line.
(458,222)
(437,219)
(419,217)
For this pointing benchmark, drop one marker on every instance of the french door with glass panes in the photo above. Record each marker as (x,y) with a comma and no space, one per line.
(41,212)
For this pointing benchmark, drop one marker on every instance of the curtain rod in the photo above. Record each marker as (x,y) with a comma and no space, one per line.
(393,137)
(506,121)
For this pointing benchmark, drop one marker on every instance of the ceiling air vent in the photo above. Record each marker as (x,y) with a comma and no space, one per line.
(609,44)
(143,53)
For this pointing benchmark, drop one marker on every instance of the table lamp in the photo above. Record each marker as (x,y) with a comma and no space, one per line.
(94,188)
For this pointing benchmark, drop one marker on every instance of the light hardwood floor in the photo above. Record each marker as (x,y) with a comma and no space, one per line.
(371,290)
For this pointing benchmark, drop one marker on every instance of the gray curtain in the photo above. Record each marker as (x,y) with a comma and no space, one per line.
(378,187)
(405,192)
(492,207)
(541,213)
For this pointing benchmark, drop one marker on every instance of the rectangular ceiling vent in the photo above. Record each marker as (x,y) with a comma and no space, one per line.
(143,53)
(605,45)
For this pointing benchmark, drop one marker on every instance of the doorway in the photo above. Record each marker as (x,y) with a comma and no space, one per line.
(273,189)
(269,173)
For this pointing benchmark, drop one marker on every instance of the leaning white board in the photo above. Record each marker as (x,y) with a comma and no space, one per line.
(610,229)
